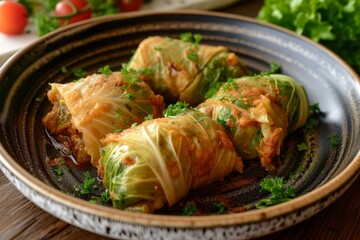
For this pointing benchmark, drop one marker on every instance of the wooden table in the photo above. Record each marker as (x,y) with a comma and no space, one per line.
(21,219)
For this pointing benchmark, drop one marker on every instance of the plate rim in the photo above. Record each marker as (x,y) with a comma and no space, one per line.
(343,179)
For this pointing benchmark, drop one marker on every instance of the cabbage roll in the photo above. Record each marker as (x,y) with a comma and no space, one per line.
(184,71)
(158,162)
(86,110)
(258,112)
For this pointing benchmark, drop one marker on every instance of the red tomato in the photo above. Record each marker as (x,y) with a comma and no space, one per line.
(70,11)
(129,5)
(13,17)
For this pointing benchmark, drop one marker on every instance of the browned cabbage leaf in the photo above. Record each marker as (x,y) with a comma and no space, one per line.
(86,110)
(184,71)
(258,112)
(158,162)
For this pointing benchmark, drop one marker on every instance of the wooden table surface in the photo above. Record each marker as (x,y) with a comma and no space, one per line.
(21,219)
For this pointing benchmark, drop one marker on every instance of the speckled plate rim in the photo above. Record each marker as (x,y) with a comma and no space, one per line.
(323,195)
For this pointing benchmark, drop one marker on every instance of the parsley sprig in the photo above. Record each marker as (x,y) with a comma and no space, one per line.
(177,108)
(279,192)
(189,209)
(87,185)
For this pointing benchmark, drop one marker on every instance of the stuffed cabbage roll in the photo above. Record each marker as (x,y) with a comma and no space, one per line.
(258,112)
(158,162)
(184,71)
(86,110)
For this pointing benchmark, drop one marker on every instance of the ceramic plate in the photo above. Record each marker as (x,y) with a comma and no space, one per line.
(319,175)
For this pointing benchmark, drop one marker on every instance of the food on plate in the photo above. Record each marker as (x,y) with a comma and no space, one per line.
(86,110)
(159,161)
(184,70)
(149,157)
(258,112)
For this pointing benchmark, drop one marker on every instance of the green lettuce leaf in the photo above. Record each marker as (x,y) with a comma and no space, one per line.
(333,23)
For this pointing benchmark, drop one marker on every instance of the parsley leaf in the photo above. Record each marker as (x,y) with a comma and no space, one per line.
(174,109)
(148,117)
(279,192)
(105,70)
(87,185)
(274,68)
(230,83)
(189,209)
(58,171)
(186,37)
(334,141)
(79,72)
(128,75)
(219,207)
(193,56)
(302,147)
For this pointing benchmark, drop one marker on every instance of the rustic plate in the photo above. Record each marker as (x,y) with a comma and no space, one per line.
(320,175)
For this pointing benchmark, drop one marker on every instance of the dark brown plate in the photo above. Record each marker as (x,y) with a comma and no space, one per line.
(319,175)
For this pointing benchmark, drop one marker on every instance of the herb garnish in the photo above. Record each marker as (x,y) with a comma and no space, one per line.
(87,185)
(279,192)
(189,209)
(148,117)
(128,75)
(219,207)
(79,72)
(103,198)
(58,171)
(274,68)
(174,109)
(334,141)
(129,96)
(230,83)
(105,70)
(157,48)
(302,147)
(192,38)
(193,56)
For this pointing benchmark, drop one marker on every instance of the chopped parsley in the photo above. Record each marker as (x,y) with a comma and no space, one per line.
(157,48)
(105,70)
(148,117)
(79,72)
(174,109)
(230,83)
(145,71)
(118,130)
(189,209)
(128,76)
(129,96)
(64,69)
(192,38)
(58,170)
(186,37)
(274,68)
(87,185)
(193,56)
(279,192)
(103,198)
(302,147)
(334,141)
(219,207)
(222,122)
